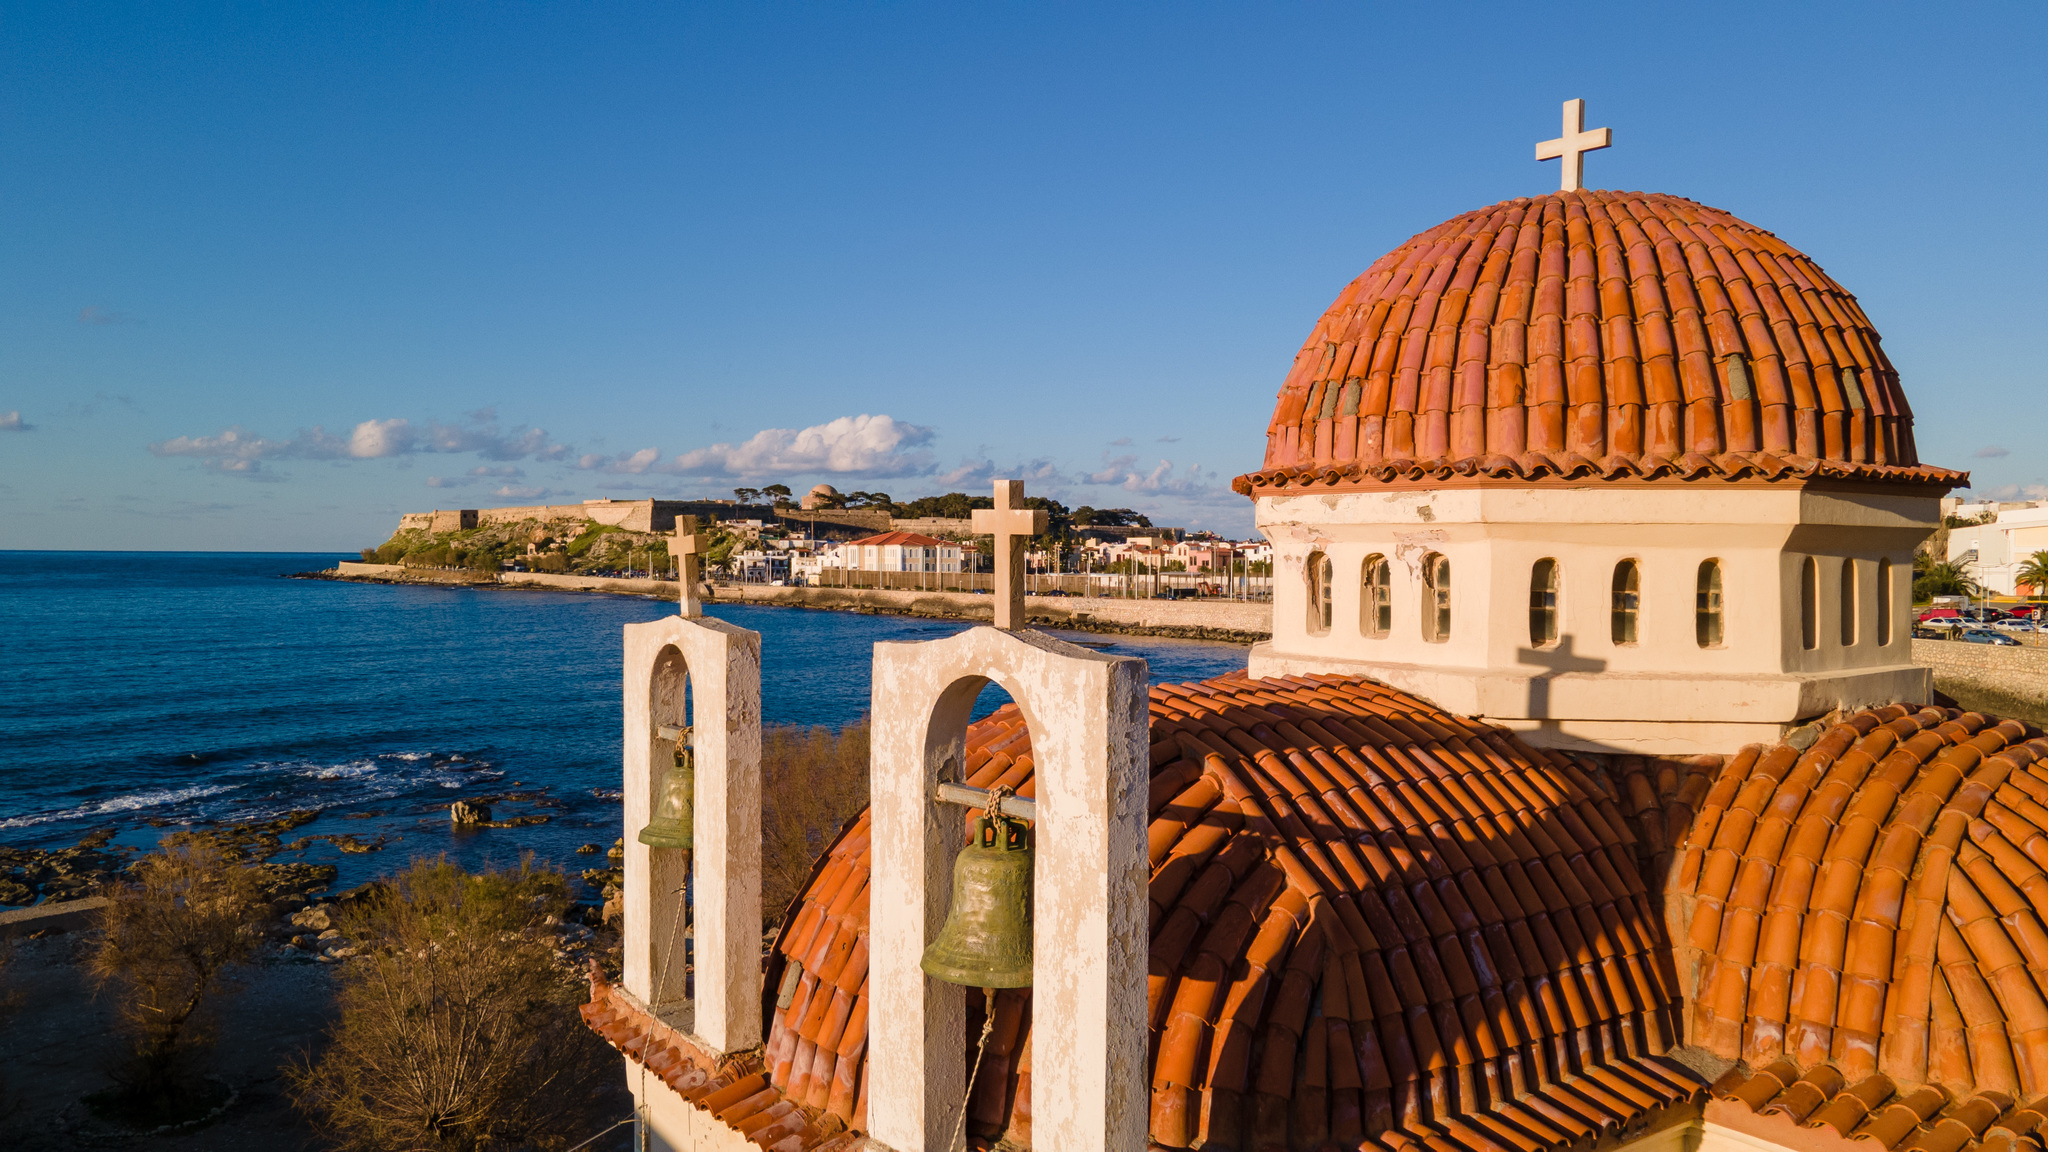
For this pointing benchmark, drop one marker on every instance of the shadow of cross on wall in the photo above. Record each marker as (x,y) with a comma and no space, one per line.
(1556,660)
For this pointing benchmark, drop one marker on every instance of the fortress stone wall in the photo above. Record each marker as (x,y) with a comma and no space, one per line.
(660,516)
(632,515)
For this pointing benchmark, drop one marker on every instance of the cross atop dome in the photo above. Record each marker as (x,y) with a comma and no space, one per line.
(1573,145)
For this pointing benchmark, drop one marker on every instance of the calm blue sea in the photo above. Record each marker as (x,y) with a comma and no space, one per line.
(143,688)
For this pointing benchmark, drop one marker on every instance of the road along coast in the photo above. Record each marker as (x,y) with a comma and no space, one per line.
(1231,621)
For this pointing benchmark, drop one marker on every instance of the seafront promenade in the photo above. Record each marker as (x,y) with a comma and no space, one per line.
(1237,621)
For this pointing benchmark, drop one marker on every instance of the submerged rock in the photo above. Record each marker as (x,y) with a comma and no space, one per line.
(469,812)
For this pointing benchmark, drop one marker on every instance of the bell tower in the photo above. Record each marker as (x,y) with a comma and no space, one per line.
(1087,716)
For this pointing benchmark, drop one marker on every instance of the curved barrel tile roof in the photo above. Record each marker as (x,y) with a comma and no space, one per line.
(1382,925)
(1608,334)
(1861,925)
(1372,921)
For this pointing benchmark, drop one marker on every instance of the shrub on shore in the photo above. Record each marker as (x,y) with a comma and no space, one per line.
(189,911)
(456,1031)
(812,781)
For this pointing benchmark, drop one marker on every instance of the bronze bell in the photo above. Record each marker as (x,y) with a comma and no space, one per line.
(986,942)
(675,814)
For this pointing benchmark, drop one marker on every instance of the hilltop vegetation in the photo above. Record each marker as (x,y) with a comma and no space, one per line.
(571,546)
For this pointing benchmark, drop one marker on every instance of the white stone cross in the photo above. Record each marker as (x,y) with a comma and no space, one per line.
(688,547)
(1007,521)
(1573,146)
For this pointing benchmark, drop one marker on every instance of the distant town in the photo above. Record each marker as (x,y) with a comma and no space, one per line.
(826,538)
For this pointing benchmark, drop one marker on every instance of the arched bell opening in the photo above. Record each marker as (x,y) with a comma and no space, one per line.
(976,926)
(670,784)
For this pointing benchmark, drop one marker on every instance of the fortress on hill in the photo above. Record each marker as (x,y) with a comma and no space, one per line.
(632,515)
(660,516)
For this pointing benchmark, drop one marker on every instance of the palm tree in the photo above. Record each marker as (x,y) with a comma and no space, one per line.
(1933,578)
(2033,573)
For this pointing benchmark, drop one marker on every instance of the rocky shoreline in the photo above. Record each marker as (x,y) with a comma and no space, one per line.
(90,867)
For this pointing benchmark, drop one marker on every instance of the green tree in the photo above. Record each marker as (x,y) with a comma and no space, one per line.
(2034,573)
(456,1034)
(189,912)
(746,495)
(779,493)
(1933,578)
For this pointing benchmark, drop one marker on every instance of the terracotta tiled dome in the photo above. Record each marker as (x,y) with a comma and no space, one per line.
(1604,334)
(1865,926)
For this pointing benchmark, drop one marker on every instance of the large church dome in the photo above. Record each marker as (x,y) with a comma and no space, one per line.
(1591,334)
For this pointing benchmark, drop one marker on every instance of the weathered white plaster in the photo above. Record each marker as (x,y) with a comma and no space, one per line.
(1087,715)
(1664,693)
(662,657)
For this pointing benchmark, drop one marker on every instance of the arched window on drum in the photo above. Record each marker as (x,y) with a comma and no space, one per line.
(1319,571)
(1543,603)
(1436,598)
(1376,598)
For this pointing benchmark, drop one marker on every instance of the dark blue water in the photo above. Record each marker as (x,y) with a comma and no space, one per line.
(152,691)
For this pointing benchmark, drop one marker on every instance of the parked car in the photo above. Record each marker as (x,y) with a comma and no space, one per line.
(1942,623)
(1987,636)
(2015,624)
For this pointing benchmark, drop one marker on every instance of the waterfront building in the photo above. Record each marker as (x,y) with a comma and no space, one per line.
(1996,550)
(1584,797)
(897,552)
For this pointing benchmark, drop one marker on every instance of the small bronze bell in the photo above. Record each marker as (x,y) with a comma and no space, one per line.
(675,812)
(986,942)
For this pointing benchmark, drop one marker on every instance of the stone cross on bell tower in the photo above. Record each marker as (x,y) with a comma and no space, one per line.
(1007,522)
(1572,146)
(688,547)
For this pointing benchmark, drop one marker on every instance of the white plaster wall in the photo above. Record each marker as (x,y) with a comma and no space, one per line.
(1760,674)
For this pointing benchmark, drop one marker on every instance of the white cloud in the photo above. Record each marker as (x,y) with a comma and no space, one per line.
(369,440)
(95,315)
(511,493)
(1991,452)
(233,443)
(624,463)
(374,438)
(980,472)
(2016,492)
(1122,472)
(864,445)
(11,421)
(449,482)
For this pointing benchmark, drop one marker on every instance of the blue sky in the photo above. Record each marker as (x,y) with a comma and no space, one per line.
(276,273)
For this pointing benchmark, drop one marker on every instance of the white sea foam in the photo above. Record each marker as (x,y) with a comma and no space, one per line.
(128,803)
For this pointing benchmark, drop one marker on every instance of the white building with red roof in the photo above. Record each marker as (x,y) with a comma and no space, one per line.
(897,552)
